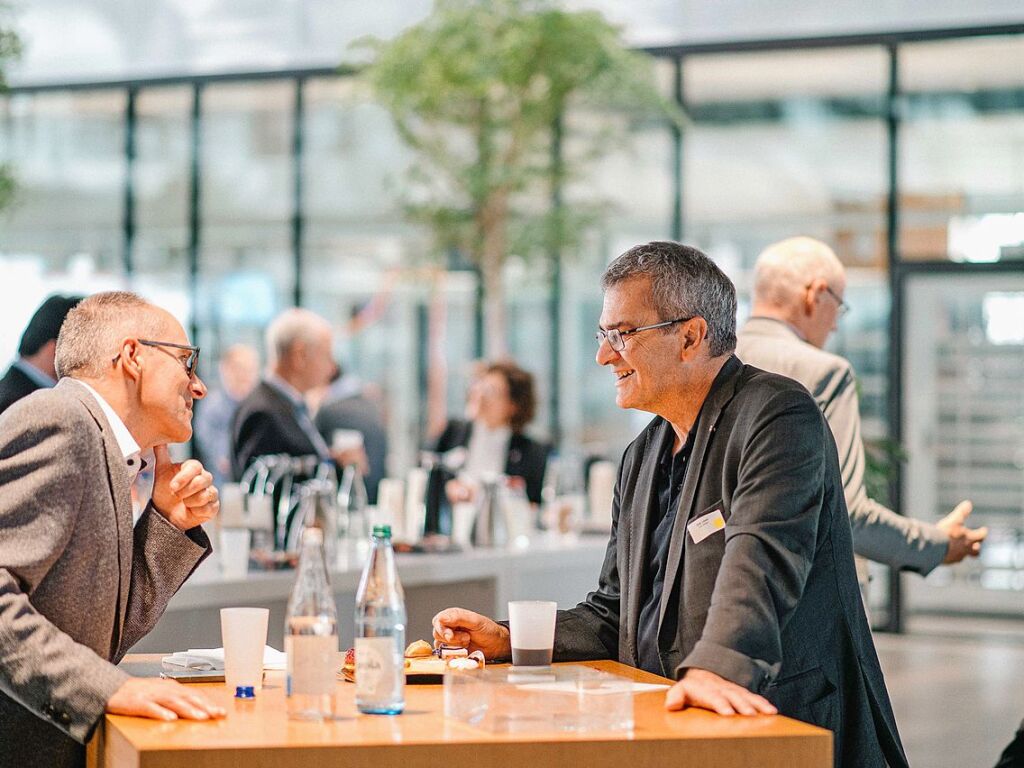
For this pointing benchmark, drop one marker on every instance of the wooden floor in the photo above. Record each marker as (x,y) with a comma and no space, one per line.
(957,687)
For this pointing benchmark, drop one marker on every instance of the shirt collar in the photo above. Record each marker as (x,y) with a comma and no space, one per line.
(40,378)
(125,442)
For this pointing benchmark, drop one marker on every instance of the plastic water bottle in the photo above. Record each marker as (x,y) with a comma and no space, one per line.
(311,636)
(380,631)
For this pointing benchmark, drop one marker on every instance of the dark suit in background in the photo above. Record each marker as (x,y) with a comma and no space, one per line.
(267,422)
(362,414)
(14,386)
(526,458)
(78,584)
(771,601)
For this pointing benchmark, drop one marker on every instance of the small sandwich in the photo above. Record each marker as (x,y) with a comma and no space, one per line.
(348,669)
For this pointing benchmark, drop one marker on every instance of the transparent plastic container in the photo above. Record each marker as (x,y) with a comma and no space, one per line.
(562,698)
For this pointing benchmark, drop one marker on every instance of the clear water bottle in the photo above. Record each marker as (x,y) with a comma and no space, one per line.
(311,636)
(380,631)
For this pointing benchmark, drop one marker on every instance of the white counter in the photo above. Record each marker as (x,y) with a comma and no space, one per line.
(481,580)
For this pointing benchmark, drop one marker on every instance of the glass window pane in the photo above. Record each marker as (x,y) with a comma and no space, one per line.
(246,262)
(962,150)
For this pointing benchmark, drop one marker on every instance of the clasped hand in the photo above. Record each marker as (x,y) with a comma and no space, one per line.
(183,493)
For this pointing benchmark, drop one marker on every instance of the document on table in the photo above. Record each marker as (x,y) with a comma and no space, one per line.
(572,686)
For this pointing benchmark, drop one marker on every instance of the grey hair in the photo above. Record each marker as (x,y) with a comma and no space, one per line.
(92,332)
(684,283)
(784,269)
(291,326)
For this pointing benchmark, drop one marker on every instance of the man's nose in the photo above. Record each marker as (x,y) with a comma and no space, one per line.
(605,354)
(198,388)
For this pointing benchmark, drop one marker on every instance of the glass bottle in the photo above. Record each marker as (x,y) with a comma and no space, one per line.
(380,631)
(311,636)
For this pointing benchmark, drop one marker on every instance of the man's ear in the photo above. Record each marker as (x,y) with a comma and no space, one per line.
(694,332)
(131,360)
(810,297)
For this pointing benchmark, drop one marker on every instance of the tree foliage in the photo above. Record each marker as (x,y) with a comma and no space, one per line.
(476,91)
(10,48)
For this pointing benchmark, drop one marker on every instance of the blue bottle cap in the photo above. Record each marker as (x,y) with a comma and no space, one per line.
(245,692)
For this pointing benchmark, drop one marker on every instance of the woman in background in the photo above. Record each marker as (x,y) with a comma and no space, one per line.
(500,403)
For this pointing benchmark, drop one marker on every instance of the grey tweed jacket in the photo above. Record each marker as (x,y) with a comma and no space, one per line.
(78,584)
(878,533)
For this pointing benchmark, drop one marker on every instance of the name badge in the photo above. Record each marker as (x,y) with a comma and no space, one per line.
(705,525)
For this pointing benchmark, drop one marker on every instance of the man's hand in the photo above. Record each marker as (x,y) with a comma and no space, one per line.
(161,700)
(700,688)
(355,455)
(183,493)
(963,541)
(457,626)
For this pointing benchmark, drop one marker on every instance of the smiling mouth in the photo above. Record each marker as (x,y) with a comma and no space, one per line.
(622,375)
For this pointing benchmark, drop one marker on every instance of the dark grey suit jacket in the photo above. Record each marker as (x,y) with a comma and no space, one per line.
(78,584)
(771,602)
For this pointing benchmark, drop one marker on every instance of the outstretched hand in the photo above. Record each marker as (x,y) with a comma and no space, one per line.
(183,493)
(963,541)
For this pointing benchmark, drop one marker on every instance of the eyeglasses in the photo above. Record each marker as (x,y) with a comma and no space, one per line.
(189,363)
(617,339)
(843,306)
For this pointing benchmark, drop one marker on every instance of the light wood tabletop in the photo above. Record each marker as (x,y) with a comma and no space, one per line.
(258,734)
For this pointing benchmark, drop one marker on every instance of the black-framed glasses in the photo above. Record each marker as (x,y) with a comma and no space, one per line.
(843,307)
(617,339)
(189,363)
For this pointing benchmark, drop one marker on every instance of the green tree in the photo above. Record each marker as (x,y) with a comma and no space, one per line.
(478,90)
(10,48)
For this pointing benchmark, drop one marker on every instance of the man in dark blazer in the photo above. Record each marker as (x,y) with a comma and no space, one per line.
(34,368)
(79,585)
(730,564)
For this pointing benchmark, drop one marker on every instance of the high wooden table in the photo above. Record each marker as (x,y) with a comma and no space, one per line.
(257,734)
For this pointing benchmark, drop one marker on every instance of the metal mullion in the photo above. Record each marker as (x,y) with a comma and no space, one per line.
(298,218)
(555,302)
(896,288)
(128,192)
(194,215)
(677,153)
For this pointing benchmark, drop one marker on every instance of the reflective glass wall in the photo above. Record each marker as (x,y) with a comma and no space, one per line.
(229,198)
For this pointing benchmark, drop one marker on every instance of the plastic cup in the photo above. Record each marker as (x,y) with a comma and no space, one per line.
(244,634)
(234,552)
(346,439)
(532,626)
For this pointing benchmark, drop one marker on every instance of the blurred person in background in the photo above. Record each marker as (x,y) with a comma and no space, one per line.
(79,584)
(348,404)
(799,285)
(274,418)
(239,373)
(34,368)
(500,404)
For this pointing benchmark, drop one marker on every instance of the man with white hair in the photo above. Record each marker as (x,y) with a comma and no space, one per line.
(274,417)
(799,286)
(79,585)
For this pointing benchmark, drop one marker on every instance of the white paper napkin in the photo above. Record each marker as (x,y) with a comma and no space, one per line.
(202,659)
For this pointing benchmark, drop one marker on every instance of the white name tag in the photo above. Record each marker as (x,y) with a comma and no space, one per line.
(705,525)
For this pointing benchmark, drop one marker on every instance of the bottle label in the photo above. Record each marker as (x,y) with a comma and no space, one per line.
(311,664)
(376,667)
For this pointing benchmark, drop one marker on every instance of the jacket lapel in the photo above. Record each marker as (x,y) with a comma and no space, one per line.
(645,502)
(707,422)
(121,498)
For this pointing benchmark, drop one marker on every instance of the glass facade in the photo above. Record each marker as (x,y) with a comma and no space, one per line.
(227,199)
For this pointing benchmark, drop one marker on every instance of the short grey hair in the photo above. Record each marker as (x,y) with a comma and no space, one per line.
(684,283)
(291,326)
(784,269)
(92,332)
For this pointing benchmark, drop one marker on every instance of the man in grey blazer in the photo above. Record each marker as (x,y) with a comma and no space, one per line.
(799,286)
(79,585)
(730,565)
